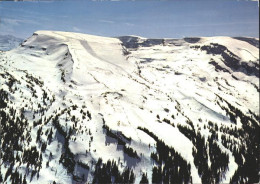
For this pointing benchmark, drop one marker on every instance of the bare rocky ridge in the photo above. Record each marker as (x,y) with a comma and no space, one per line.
(78,108)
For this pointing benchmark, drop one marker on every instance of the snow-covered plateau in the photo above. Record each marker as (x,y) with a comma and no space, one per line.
(77,108)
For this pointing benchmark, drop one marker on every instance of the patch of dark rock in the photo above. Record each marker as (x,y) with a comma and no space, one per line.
(231,60)
(192,39)
(202,79)
(160,69)
(196,47)
(146,60)
(234,77)
(217,66)
(151,42)
(256,87)
(116,94)
(135,42)
(166,110)
(129,41)
(250,68)
(177,73)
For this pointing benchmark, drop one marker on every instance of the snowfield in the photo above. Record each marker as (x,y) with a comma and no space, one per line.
(77,108)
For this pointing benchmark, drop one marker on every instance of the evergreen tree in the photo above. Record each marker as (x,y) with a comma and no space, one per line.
(24,179)
(144,179)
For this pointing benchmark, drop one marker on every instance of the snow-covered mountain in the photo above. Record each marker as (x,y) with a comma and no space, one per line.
(8,42)
(77,108)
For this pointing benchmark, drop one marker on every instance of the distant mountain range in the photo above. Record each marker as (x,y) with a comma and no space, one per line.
(77,108)
(8,42)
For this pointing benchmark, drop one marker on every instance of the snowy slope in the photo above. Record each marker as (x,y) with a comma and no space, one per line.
(98,109)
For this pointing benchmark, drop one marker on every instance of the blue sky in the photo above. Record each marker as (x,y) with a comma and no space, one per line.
(150,18)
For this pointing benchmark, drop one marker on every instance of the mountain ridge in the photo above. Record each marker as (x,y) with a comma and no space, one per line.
(133,102)
(8,42)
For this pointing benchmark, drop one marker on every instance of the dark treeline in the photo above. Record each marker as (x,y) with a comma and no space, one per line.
(121,139)
(109,173)
(242,142)
(175,170)
(248,169)
(15,130)
(219,160)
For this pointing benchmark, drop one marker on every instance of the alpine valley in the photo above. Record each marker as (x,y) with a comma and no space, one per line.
(77,108)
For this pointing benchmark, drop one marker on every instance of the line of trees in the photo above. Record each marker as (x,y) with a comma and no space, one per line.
(172,168)
(109,173)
